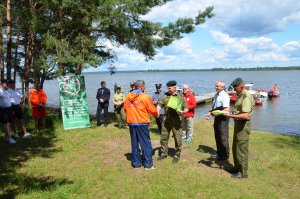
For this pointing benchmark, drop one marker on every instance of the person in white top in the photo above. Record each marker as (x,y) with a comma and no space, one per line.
(16,99)
(221,123)
(5,110)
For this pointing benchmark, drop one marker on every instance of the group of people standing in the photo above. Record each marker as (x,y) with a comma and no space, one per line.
(11,109)
(242,127)
(139,105)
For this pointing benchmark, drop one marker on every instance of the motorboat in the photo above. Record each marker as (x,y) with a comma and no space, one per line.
(258,96)
(274,92)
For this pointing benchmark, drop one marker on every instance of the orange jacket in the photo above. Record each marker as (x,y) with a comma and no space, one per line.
(37,97)
(138,107)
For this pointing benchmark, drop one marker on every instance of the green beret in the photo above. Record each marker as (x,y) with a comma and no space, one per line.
(171,83)
(237,82)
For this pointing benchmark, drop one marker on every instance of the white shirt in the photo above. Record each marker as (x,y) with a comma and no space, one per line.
(15,96)
(4,98)
(221,99)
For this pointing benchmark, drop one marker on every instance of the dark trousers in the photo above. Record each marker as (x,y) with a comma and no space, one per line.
(139,135)
(221,136)
(99,110)
(160,122)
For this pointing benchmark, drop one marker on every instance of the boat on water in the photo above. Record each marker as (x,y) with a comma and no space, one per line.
(259,96)
(274,92)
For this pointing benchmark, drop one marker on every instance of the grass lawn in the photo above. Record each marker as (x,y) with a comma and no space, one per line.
(95,163)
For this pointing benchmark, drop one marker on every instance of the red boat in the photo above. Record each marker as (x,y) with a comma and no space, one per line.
(274,92)
(258,101)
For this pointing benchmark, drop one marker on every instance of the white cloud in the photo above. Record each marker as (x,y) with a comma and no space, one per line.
(292,50)
(238,30)
(235,17)
(252,50)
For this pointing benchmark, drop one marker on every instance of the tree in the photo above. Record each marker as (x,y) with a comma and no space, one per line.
(81,30)
(57,37)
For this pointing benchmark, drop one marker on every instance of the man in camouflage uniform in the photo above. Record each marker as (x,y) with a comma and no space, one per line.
(242,128)
(118,100)
(172,121)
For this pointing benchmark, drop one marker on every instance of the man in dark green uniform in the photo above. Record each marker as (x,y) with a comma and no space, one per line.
(175,105)
(242,127)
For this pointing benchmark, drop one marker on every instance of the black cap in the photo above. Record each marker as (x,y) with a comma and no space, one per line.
(4,81)
(158,86)
(171,83)
(237,82)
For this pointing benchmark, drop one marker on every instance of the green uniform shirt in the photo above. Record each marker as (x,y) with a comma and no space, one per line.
(119,97)
(244,103)
(172,117)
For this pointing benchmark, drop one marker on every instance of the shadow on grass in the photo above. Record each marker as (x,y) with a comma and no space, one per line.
(111,118)
(171,153)
(212,162)
(13,157)
(287,142)
(206,149)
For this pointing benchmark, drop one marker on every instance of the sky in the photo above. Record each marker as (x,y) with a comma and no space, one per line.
(243,33)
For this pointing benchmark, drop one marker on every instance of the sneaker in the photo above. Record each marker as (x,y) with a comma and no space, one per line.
(239,175)
(188,139)
(16,135)
(137,167)
(150,168)
(27,134)
(11,141)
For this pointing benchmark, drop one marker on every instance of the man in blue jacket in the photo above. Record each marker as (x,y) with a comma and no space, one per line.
(103,95)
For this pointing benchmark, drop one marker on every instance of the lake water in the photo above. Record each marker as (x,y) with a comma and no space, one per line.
(279,115)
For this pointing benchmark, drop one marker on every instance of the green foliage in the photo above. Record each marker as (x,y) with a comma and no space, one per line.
(65,36)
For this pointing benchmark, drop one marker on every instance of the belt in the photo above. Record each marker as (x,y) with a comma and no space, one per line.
(237,120)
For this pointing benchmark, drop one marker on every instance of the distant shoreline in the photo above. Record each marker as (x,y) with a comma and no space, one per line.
(212,69)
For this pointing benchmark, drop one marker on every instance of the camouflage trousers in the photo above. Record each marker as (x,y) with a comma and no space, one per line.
(164,139)
(240,146)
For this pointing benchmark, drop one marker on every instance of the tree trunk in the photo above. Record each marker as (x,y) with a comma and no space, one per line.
(28,61)
(29,46)
(1,48)
(78,69)
(16,64)
(8,36)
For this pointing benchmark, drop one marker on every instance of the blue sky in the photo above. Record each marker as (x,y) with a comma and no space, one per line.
(242,33)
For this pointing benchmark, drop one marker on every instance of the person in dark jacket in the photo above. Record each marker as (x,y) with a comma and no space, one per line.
(103,95)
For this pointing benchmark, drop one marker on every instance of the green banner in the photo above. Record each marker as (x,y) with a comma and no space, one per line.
(73,100)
